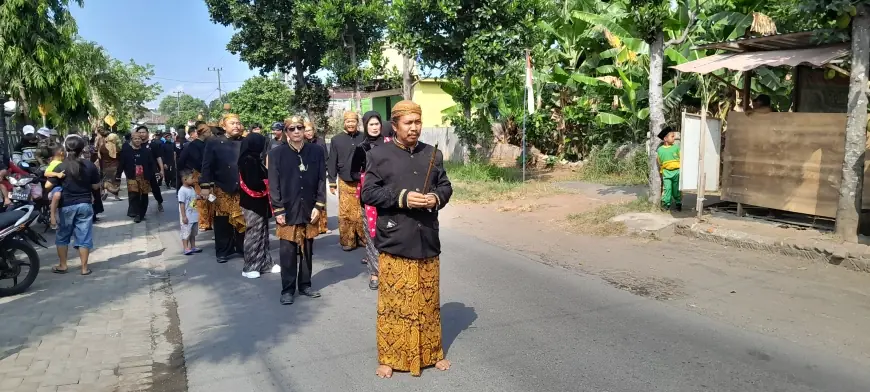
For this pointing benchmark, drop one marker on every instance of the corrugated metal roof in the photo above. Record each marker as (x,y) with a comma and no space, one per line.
(800,40)
(817,56)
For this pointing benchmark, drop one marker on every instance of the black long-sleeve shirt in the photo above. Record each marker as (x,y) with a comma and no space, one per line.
(220,164)
(392,171)
(191,156)
(345,160)
(130,157)
(294,191)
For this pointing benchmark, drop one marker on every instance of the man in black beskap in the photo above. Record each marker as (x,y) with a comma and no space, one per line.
(167,152)
(297,188)
(345,164)
(155,184)
(406,181)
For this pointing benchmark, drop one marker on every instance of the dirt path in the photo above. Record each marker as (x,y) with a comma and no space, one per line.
(812,304)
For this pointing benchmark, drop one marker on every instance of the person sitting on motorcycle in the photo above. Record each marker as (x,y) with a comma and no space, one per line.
(55,194)
(27,153)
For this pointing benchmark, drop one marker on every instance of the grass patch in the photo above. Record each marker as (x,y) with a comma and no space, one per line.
(477,182)
(597,222)
(601,168)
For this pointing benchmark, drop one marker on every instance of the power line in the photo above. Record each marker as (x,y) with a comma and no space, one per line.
(193,81)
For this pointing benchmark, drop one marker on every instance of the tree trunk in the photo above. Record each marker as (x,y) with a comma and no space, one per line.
(407,78)
(656,114)
(356,97)
(300,76)
(466,100)
(852,181)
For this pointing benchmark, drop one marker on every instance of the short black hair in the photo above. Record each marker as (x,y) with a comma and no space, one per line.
(256,125)
(186,173)
(191,131)
(141,127)
(764,99)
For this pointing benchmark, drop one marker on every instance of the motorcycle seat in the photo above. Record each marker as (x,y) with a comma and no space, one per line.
(9,218)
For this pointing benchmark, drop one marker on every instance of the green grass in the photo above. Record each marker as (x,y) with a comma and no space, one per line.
(597,222)
(601,168)
(477,182)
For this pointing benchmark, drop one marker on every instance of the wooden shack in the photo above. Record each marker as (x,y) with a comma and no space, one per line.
(790,161)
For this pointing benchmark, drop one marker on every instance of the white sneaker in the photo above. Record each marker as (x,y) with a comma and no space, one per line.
(251,275)
(276,269)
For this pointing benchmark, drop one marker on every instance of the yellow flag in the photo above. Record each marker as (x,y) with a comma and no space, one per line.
(43,110)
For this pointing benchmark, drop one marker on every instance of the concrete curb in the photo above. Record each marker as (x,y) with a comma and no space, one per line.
(832,253)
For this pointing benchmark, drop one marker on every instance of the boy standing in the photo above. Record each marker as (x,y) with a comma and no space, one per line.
(669,164)
(189,214)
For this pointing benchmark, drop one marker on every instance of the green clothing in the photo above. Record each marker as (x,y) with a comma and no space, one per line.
(671,188)
(669,157)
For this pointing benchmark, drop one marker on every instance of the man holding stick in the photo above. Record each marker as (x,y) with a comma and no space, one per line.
(407,183)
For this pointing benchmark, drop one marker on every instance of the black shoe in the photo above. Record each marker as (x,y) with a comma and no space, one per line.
(222,260)
(347,248)
(373,284)
(159,207)
(679,207)
(309,293)
(286,299)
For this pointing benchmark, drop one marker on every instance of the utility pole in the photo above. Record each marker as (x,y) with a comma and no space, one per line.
(220,91)
(178,103)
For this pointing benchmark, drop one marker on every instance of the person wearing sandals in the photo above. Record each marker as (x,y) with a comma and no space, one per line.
(81,178)
(187,201)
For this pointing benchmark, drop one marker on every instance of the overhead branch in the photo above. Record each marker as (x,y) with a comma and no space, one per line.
(693,18)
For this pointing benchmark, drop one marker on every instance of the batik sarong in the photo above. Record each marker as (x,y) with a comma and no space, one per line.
(409,313)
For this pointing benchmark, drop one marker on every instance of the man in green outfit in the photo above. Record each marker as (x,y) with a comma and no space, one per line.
(669,164)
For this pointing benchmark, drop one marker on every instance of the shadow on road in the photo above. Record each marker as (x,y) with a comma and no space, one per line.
(455,318)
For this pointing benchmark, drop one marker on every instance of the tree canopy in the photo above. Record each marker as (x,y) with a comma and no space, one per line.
(182,108)
(262,100)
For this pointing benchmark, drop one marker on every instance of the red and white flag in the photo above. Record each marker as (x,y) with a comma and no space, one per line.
(530,91)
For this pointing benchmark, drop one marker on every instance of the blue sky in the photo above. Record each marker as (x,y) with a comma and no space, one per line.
(176,36)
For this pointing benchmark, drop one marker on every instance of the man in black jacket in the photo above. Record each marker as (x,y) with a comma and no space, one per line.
(158,162)
(344,167)
(220,176)
(409,317)
(297,188)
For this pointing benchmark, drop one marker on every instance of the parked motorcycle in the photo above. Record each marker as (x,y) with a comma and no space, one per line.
(27,190)
(19,263)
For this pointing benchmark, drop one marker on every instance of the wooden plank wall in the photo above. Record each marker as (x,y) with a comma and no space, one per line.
(786,161)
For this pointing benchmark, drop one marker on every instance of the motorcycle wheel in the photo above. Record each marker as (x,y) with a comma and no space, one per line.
(10,246)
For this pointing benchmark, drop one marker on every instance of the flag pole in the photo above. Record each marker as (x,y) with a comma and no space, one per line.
(525,110)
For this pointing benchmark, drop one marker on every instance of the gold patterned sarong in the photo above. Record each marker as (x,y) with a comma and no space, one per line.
(139,185)
(110,184)
(409,313)
(228,204)
(351,232)
(297,233)
(322,221)
(206,209)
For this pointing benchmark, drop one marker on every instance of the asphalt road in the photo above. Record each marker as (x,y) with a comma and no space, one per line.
(509,324)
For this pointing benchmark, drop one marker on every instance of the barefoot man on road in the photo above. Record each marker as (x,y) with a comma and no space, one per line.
(409,307)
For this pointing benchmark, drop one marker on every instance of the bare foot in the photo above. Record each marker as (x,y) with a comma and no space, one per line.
(442,365)
(384,371)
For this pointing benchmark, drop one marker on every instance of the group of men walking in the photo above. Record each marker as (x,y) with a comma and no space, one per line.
(390,188)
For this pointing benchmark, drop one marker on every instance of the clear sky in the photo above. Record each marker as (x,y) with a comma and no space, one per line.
(176,36)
